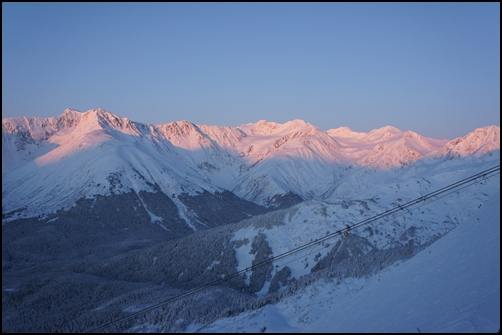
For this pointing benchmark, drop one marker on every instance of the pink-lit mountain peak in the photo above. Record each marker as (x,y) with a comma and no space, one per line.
(263,127)
(478,142)
(344,132)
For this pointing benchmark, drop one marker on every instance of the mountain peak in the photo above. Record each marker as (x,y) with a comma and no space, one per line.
(261,127)
(390,129)
(71,111)
(344,132)
(488,129)
(383,133)
(264,127)
(478,142)
(103,113)
(296,124)
(98,111)
(105,119)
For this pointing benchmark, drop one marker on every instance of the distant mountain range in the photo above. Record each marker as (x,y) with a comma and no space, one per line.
(49,164)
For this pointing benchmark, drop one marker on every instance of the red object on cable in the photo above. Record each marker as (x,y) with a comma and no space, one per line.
(346,234)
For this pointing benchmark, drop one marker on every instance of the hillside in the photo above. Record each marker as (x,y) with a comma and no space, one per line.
(452,286)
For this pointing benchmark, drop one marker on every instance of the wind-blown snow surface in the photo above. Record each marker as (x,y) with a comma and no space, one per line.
(451,286)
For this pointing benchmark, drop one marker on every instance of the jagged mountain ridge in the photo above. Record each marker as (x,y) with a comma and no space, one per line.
(101,154)
(83,155)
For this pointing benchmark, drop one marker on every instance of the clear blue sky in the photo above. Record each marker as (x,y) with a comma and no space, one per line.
(433,68)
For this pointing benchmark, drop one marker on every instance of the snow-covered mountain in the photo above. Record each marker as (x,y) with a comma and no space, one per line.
(477,143)
(384,148)
(129,214)
(48,164)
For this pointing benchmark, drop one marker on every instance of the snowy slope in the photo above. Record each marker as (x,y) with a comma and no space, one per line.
(292,292)
(294,157)
(451,286)
(362,259)
(310,220)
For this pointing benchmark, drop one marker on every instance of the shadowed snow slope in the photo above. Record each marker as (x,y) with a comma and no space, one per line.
(451,286)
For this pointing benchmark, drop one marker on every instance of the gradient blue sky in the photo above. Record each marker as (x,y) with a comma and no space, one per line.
(433,68)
